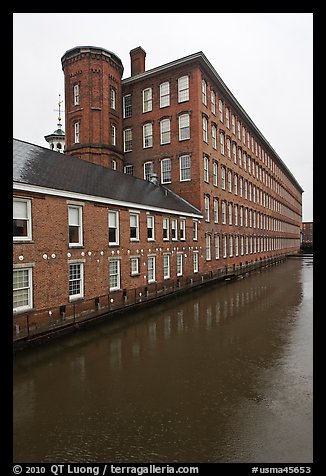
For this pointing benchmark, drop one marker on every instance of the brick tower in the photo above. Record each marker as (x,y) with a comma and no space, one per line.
(93,105)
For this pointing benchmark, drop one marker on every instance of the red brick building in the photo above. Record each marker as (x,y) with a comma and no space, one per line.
(221,195)
(307,233)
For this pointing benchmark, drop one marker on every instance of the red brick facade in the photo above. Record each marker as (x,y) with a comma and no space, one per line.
(262,215)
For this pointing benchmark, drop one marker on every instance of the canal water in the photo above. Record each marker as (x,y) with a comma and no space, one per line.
(223,374)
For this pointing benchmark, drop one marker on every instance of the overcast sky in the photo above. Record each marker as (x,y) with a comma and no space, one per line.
(265,59)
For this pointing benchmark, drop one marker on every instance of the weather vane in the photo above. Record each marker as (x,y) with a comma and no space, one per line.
(59,111)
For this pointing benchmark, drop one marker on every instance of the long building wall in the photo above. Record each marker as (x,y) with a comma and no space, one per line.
(179,123)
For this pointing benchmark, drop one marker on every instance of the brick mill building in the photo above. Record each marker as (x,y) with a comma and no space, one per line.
(164,178)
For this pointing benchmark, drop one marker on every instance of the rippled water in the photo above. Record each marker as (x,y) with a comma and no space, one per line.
(220,375)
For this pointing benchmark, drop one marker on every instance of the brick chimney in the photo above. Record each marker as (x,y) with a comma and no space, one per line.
(137,57)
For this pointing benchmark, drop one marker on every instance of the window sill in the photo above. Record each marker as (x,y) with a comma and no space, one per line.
(26,310)
(22,242)
(76,299)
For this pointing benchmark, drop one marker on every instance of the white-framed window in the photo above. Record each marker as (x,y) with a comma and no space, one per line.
(174,229)
(166,171)
(246,216)
(76,94)
(233,124)
(76,132)
(22,219)
(220,109)
(195,261)
(147,100)
(244,159)
(165,131)
(113,134)
(206,164)
(22,289)
(113,164)
(147,135)
(241,186)
(76,280)
(134,265)
(234,152)
(185,164)
(134,226)
(236,243)
(249,164)
(204,92)
(165,94)
(235,184)
(127,140)
(75,222)
(242,246)
(150,228)
(183,89)
(166,266)
(248,140)
(229,181)
(247,245)
(244,135)
(230,246)
(179,264)
(246,189)
(223,212)
(205,129)
(113,228)
(215,173)
(215,205)
(230,213)
(240,157)
(195,230)
(114,274)
(217,246)
(236,215)
(166,229)
(241,215)
(113,97)
(222,143)
(182,224)
(223,172)
(228,147)
(225,245)
(213,102)
(214,137)
(239,130)
(227,118)
(151,269)
(206,205)
(208,247)
(184,126)
(148,170)
(127,106)
(128,169)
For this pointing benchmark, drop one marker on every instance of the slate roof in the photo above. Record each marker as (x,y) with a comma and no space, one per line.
(38,166)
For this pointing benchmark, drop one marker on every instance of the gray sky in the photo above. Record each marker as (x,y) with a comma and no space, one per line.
(265,59)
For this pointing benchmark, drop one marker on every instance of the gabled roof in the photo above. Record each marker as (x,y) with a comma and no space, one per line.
(38,168)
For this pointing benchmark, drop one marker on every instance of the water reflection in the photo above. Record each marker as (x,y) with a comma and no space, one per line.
(201,378)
